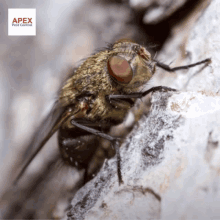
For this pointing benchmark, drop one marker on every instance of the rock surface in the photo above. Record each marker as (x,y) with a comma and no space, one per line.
(170,165)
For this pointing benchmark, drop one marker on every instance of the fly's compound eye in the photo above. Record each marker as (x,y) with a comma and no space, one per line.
(120,69)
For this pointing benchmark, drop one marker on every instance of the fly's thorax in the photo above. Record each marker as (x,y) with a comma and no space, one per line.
(91,77)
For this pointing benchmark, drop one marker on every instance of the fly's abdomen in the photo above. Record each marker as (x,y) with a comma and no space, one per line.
(77,148)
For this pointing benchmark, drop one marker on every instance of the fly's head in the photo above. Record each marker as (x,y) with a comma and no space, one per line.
(130,65)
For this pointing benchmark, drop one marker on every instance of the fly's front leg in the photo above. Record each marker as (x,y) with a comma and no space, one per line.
(167,68)
(115,143)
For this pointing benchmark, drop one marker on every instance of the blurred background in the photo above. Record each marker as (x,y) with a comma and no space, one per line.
(33,68)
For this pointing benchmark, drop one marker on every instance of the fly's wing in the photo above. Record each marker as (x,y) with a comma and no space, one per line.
(41,194)
(44,132)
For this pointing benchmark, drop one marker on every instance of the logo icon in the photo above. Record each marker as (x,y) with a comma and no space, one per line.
(22,22)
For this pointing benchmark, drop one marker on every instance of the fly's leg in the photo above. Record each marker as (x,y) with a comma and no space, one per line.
(116,146)
(115,143)
(141,94)
(167,68)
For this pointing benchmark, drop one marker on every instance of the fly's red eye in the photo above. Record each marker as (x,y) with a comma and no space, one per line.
(120,69)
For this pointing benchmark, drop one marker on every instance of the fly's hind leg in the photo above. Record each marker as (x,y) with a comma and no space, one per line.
(115,143)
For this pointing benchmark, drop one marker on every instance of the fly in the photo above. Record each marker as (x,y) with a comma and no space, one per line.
(96,97)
